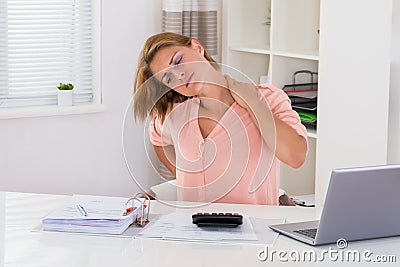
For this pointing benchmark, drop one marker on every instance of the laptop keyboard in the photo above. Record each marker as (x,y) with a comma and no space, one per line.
(307,232)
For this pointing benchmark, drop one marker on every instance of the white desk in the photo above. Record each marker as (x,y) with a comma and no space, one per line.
(22,247)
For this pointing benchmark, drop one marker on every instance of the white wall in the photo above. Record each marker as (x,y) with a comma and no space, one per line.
(83,153)
(352,112)
(394,112)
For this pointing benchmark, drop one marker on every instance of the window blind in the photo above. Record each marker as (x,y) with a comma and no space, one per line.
(43,43)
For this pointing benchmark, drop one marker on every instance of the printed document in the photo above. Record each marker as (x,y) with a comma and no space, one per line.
(179,226)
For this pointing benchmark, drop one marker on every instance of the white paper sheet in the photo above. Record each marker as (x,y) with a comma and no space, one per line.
(179,226)
(97,207)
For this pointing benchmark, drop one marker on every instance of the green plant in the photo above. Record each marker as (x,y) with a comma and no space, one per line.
(268,20)
(64,86)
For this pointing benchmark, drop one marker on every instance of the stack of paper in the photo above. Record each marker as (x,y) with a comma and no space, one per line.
(92,214)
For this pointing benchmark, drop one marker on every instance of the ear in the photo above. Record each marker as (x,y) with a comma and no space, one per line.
(196,45)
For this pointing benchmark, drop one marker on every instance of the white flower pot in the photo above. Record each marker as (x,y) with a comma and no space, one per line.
(65,97)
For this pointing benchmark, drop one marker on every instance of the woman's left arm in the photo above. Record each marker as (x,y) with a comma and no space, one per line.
(290,146)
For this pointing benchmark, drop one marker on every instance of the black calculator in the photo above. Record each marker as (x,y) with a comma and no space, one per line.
(205,219)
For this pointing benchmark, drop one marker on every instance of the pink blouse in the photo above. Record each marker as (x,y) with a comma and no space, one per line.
(232,164)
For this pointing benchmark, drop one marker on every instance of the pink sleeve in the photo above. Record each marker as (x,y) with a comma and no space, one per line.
(159,136)
(280,105)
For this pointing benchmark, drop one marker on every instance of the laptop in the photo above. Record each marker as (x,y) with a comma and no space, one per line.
(361,203)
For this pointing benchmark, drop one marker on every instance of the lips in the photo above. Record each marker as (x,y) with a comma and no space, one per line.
(189,79)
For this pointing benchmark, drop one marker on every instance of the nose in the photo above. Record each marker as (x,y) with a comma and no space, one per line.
(175,78)
(181,76)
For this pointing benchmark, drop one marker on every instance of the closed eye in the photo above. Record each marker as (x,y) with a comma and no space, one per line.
(179,60)
(168,77)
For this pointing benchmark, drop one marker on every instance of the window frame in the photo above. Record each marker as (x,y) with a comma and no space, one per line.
(96,105)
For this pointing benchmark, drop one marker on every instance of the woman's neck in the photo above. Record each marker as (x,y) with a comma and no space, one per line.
(216,95)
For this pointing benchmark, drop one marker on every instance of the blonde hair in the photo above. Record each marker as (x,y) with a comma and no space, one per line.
(145,93)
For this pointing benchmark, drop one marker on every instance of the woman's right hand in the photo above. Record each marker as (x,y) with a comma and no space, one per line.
(243,93)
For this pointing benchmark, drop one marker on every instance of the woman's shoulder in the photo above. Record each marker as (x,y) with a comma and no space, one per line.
(265,88)
(274,95)
(179,110)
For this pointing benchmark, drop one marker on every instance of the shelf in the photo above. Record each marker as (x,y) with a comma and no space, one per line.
(302,54)
(312,133)
(257,49)
(265,50)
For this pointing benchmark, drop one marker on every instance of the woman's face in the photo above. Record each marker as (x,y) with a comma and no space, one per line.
(171,67)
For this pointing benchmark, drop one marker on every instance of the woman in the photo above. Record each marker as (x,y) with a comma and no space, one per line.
(222,139)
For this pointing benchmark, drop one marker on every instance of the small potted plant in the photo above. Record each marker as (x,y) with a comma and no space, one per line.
(65,94)
(268,20)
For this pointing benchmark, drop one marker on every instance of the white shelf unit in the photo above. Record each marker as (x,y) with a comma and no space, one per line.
(289,44)
(243,49)
(325,37)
